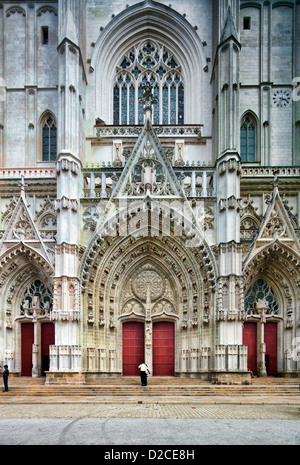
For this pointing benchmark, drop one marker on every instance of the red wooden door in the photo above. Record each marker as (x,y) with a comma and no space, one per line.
(27,339)
(47,339)
(163,349)
(133,347)
(270,334)
(250,340)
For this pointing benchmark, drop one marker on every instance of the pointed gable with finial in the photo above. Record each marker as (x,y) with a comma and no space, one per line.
(21,228)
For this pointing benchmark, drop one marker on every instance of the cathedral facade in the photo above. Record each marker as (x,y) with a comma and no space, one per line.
(149,188)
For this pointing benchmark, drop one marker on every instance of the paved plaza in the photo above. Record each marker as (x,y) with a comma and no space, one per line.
(150,410)
(134,424)
(265,414)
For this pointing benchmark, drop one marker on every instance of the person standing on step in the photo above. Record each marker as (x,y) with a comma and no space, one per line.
(144,373)
(5,378)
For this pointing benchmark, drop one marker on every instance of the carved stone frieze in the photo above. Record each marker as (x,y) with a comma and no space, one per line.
(67,165)
(229,165)
(230,203)
(10,207)
(90,217)
(45,216)
(22,228)
(65,203)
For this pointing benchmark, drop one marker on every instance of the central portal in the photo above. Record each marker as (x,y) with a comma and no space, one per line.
(148,313)
(134,348)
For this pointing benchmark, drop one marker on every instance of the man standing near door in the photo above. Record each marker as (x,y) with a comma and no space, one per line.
(5,378)
(144,369)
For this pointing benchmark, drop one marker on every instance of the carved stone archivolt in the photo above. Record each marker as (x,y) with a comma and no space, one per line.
(7,213)
(144,280)
(200,252)
(148,279)
(280,266)
(26,285)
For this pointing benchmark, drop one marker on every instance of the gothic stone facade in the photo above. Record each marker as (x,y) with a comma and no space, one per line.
(149,188)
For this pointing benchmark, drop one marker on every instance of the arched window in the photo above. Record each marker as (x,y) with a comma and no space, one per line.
(154,63)
(49,138)
(36,297)
(261,290)
(248,139)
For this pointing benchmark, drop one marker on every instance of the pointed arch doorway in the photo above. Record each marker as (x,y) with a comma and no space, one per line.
(27,340)
(260,328)
(163,348)
(29,334)
(133,347)
(149,313)
(261,357)
(36,328)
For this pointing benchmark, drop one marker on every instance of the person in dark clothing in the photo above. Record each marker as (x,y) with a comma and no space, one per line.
(5,378)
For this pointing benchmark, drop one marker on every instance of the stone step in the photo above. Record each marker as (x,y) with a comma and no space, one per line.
(156,390)
(154,380)
(157,386)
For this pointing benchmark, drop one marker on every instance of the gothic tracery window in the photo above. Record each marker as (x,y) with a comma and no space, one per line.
(258,291)
(248,139)
(154,63)
(37,296)
(49,138)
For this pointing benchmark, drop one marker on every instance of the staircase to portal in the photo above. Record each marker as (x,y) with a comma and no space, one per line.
(158,389)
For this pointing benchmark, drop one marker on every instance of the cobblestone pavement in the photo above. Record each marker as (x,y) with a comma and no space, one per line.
(151,410)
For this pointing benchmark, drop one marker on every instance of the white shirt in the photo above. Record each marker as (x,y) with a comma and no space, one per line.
(143,367)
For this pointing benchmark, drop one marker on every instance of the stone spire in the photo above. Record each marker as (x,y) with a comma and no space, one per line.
(229,29)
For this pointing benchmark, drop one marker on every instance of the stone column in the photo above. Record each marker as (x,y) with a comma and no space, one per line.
(148,332)
(35,360)
(230,284)
(66,311)
(262,307)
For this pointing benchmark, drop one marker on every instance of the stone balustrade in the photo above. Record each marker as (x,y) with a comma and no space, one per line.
(196,181)
(162,131)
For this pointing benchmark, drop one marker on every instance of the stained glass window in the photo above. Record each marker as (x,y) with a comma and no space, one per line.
(49,139)
(154,63)
(131,104)
(156,107)
(258,291)
(248,130)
